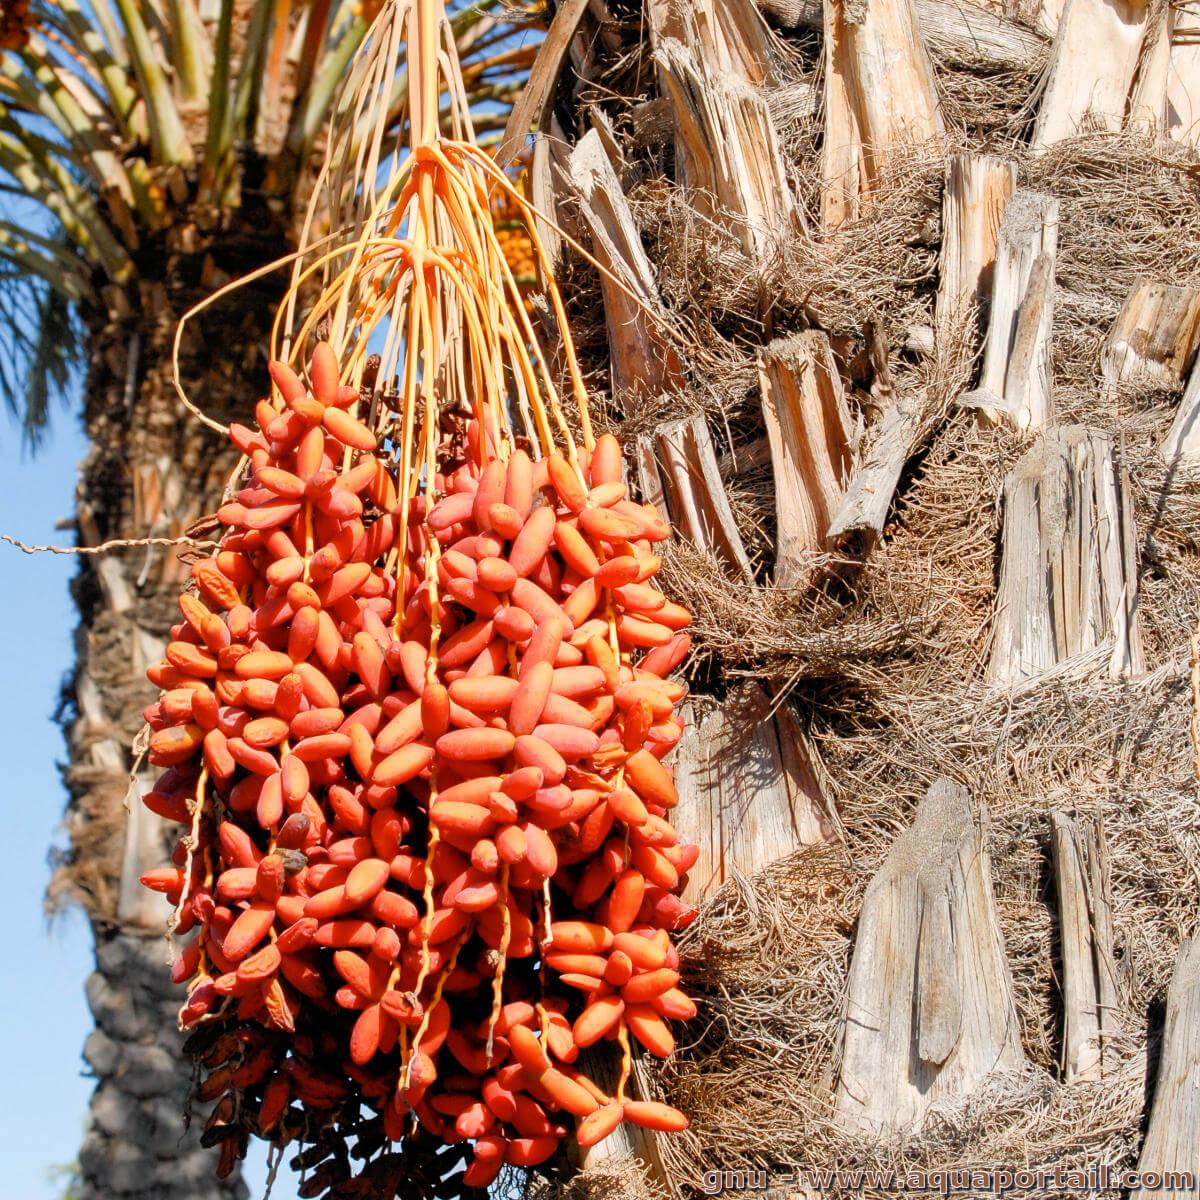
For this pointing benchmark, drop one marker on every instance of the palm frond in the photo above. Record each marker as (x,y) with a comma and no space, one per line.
(120,119)
(56,353)
(37,165)
(42,89)
(218,134)
(248,91)
(110,57)
(191,51)
(170,143)
(41,349)
(310,116)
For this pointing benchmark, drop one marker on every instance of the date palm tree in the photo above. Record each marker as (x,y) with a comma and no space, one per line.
(151,150)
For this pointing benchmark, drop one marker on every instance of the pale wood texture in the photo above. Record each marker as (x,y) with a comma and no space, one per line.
(966,32)
(1091,1003)
(961,31)
(1181,447)
(920,340)
(678,466)
(929,1011)
(548,166)
(649,477)
(1049,16)
(1166,95)
(749,789)
(1154,339)
(147,837)
(978,188)
(810,435)
(1171,1142)
(1096,53)
(713,56)
(1015,382)
(532,105)
(728,154)
(869,492)
(879,98)
(1068,576)
(1182,116)
(745,458)
(729,34)
(641,357)
(842,168)
(1148,100)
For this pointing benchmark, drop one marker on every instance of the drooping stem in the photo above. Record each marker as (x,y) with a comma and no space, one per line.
(434,1001)
(196,808)
(502,958)
(626,1061)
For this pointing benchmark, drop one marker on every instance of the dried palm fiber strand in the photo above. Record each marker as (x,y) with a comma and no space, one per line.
(414,715)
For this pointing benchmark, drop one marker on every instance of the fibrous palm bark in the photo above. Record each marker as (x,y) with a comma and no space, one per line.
(994,275)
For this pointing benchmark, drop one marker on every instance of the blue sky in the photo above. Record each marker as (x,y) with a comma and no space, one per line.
(43,1015)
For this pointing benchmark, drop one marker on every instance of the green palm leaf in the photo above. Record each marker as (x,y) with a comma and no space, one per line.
(122,120)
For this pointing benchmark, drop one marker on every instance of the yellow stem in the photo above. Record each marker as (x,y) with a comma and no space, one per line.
(451,963)
(197,814)
(626,1060)
(498,977)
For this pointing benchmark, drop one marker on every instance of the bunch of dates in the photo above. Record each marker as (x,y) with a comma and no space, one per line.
(416,744)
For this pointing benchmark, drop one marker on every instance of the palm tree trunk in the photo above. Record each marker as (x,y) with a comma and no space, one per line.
(153,470)
(1034,648)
